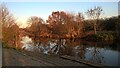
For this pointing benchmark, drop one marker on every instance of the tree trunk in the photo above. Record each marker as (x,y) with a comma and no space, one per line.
(95,28)
(95,25)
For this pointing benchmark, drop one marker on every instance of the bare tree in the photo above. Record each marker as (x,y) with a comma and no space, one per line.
(7,19)
(10,30)
(94,14)
(79,24)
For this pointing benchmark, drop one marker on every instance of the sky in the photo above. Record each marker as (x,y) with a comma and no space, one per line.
(23,10)
(59,0)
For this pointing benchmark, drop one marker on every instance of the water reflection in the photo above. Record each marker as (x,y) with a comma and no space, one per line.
(100,52)
(95,55)
(27,44)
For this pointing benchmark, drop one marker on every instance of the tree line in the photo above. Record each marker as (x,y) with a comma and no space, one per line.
(60,24)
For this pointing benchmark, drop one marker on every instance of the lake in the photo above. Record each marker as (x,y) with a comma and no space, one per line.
(106,53)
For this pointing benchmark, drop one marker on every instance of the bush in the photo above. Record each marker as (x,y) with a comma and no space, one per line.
(100,37)
(106,37)
(93,37)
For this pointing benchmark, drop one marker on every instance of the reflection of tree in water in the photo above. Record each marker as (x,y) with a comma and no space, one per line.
(58,46)
(61,47)
(75,48)
(96,55)
(79,51)
(67,47)
(52,47)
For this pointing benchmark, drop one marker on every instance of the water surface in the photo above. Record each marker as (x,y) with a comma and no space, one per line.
(106,53)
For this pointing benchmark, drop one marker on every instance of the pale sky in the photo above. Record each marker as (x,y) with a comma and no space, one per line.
(23,10)
(59,0)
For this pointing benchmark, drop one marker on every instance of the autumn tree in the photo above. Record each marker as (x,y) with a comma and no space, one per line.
(35,27)
(74,24)
(56,22)
(94,14)
(64,23)
(59,23)
(0,25)
(79,26)
(70,24)
(10,30)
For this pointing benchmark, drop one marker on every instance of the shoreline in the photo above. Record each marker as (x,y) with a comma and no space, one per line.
(24,58)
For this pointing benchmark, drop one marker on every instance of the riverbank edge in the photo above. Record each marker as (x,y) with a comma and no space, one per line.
(66,57)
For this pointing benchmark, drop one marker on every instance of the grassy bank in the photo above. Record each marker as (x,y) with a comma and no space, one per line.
(100,37)
(10,47)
